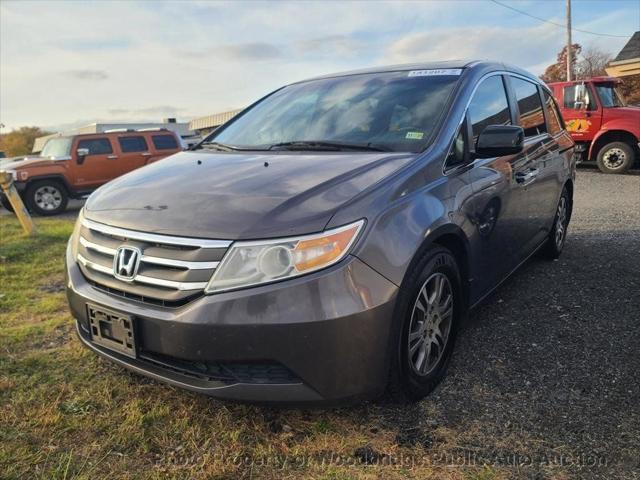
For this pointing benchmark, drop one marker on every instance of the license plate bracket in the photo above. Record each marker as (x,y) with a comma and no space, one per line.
(112,330)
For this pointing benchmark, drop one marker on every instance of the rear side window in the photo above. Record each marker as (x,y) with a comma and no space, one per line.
(489,106)
(554,120)
(132,144)
(530,107)
(164,142)
(96,146)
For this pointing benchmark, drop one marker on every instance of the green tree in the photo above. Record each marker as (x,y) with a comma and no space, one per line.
(20,141)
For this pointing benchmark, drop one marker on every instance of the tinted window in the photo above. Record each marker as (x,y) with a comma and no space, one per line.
(393,110)
(165,142)
(570,98)
(554,120)
(96,146)
(530,107)
(489,106)
(132,144)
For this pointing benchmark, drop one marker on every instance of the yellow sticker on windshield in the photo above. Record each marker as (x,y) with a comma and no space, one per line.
(414,135)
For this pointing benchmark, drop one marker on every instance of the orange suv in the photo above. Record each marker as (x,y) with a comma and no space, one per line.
(74,166)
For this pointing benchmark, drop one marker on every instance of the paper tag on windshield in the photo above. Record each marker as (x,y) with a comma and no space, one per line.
(414,135)
(433,73)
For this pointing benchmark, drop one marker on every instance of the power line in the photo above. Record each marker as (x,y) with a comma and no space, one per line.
(556,24)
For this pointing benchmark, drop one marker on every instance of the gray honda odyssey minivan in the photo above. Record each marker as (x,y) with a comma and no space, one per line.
(326,243)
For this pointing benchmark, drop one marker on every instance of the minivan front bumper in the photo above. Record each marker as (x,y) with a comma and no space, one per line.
(323,337)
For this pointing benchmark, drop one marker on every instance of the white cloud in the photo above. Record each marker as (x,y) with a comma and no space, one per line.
(483,42)
(63,62)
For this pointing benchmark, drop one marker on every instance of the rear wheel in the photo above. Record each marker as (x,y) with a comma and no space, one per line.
(46,197)
(555,241)
(615,157)
(430,308)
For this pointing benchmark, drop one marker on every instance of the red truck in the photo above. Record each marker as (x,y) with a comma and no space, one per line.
(605,129)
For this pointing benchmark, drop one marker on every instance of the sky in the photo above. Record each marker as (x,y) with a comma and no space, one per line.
(65,64)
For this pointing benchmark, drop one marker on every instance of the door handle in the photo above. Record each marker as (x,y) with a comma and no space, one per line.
(528,176)
(146,154)
(112,157)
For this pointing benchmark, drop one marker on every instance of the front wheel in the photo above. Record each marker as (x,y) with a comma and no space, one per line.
(430,308)
(615,157)
(46,197)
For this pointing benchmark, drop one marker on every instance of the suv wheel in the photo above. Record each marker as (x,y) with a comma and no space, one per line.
(6,203)
(558,234)
(46,197)
(615,157)
(430,307)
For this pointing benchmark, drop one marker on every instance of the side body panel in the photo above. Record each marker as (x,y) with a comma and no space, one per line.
(129,160)
(613,122)
(96,169)
(420,203)
(155,154)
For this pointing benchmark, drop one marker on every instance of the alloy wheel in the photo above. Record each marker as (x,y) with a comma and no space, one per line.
(561,221)
(48,198)
(430,325)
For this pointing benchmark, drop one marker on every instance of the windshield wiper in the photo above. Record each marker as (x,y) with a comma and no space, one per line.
(217,146)
(326,145)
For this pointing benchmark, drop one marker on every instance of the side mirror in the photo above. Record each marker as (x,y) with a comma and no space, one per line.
(82,153)
(500,140)
(581,97)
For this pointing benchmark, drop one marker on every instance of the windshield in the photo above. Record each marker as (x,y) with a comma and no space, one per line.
(393,111)
(609,95)
(57,147)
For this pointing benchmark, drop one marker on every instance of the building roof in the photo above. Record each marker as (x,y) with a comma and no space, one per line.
(211,121)
(631,50)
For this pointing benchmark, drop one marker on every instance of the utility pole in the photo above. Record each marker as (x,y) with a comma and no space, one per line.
(569,48)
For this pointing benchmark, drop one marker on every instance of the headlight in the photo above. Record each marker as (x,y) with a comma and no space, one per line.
(14,174)
(253,263)
(73,240)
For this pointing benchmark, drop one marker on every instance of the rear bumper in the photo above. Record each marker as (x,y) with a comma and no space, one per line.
(324,335)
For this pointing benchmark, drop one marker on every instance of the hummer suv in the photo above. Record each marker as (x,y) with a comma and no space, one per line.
(74,166)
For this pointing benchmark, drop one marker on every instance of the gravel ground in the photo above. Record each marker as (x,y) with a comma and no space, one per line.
(544,382)
(546,370)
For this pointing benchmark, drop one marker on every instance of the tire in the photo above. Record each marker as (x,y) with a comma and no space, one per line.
(46,197)
(558,234)
(6,203)
(406,382)
(616,157)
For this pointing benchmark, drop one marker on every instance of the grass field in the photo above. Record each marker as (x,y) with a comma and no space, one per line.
(65,413)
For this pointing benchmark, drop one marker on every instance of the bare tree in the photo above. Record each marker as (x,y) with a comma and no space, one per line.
(592,63)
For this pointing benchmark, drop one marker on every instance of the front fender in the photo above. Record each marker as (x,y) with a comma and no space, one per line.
(400,231)
(620,125)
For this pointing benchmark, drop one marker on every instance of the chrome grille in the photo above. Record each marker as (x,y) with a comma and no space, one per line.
(172,269)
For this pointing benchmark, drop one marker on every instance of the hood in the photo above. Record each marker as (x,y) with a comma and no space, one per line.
(19,162)
(628,110)
(623,113)
(239,196)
